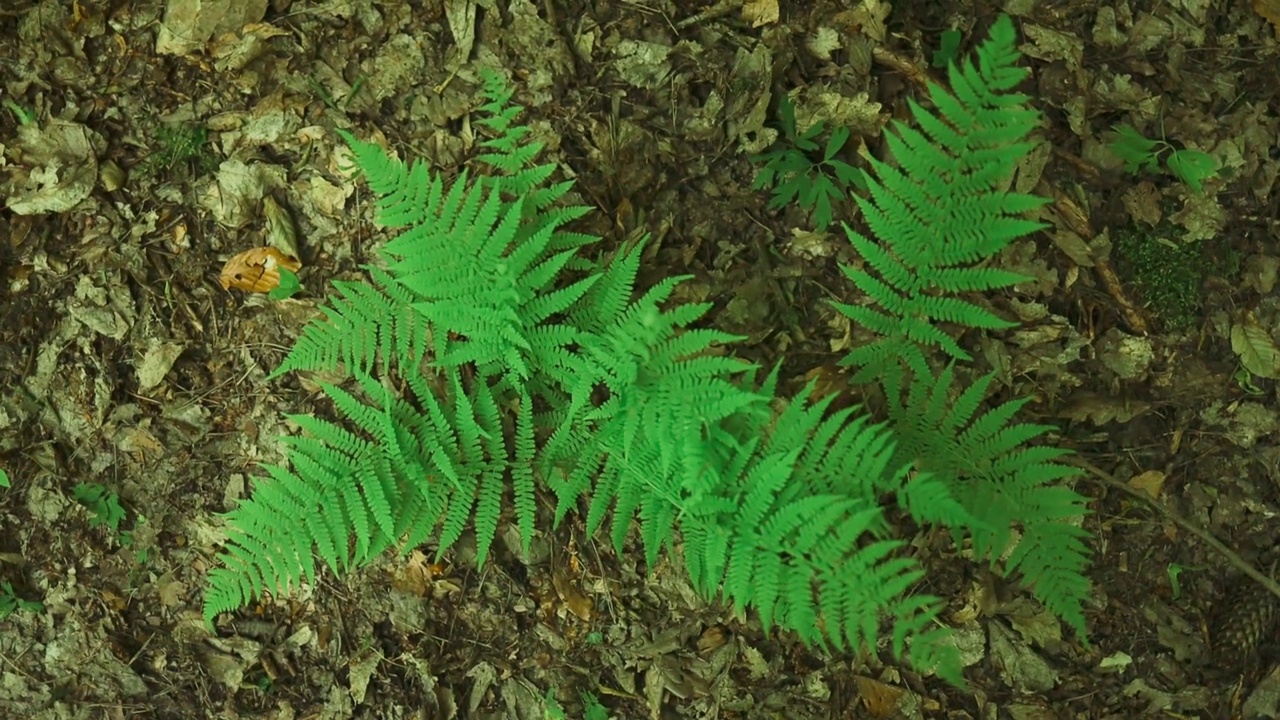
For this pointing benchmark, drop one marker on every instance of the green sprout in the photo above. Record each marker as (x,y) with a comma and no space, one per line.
(102,503)
(1142,154)
(592,709)
(551,708)
(20,113)
(948,48)
(11,603)
(183,143)
(796,177)
(288,287)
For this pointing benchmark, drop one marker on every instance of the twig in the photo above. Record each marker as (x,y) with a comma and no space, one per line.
(1204,535)
(1075,219)
(714,12)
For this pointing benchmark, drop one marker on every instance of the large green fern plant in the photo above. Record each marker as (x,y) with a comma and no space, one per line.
(491,358)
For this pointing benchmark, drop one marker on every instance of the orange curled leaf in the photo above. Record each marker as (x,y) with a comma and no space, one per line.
(257,269)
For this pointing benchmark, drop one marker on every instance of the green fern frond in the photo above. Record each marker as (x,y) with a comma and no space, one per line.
(518,174)
(944,208)
(263,554)
(805,544)
(402,189)
(941,213)
(350,497)
(365,326)
(481,283)
(1002,483)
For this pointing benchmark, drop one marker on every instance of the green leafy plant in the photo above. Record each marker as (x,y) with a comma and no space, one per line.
(796,177)
(11,603)
(551,707)
(102,503)
(4,478)
(327,97)
(591,707)
(1142,154)
(948,48)
(490,358)
(183,144)
(288,287)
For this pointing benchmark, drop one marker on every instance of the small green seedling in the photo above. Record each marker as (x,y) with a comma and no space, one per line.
(11,603)
(795,177)
(327,97)
(1142,154)
(948,48)
(4,478)
(288,287)
(551,708)
(20,113)
(1174,571)
(592,709)
(102,503)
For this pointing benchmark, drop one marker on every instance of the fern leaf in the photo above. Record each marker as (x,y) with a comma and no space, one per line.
(944,208)
(365,325)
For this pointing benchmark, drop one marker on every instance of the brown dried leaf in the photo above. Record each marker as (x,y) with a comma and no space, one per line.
(569,594)
(1150,482)
(880,699)
(1270,11)
(257,270)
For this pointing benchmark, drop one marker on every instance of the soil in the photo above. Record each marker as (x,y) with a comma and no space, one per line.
(144,144)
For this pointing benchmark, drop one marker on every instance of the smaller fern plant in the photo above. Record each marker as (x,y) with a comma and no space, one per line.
(1142,154)
(941,213)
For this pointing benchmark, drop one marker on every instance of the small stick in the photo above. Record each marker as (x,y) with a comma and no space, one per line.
(719,10)
(1235,560)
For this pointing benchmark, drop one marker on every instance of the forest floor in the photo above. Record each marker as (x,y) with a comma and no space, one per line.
(143,144)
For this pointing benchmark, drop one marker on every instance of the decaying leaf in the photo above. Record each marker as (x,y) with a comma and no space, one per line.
(1255,347)
(880,699)
(1270,11)
(257,269)
(1150,482)
(569,594)
(760,12)
(282,234)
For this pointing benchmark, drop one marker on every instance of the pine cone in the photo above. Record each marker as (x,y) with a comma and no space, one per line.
(1247,622)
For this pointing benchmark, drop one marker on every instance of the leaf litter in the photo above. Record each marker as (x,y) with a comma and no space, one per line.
(128,368)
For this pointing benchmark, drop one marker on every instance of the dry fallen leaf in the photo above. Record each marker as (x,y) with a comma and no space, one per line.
(1255,347)
(1150,482)
(571,596)
(880,699)
(1270,11)
(257,270)
(760,12)
(417,575)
